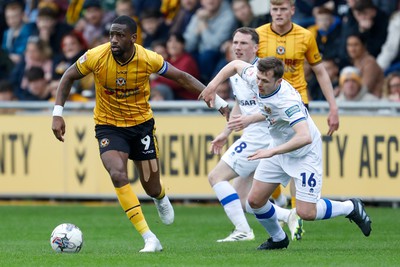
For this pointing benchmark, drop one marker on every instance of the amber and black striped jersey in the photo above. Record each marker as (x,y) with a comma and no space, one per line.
(292,47)
(122,90)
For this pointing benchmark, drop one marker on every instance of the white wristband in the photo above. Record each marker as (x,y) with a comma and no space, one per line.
(58,110)
(219,102)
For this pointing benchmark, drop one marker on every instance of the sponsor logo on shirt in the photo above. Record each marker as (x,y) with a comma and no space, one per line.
(292,110)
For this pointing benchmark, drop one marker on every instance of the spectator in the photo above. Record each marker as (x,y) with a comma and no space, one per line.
(332,68)
(389,57)
(327,32)
(6,65)
(153,26)
(392,87)
(125,7)
(208,29)
(73,46)
(38,53)
(371,22)
(18,32)
(387,6)
(142,5)
(169,9)
(371,74)
(186,11)
(245,16)
(182,60)
(49,29)
(351,87)
(6,91)
(38,87)
(94,21)
(304,13)
(160,47)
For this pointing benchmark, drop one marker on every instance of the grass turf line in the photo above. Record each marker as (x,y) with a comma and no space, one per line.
(110,239)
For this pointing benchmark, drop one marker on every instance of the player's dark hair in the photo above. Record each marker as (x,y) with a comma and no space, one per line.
(271,63)
(247,30)
(128,21)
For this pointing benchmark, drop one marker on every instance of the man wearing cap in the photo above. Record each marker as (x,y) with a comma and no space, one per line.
(351,88)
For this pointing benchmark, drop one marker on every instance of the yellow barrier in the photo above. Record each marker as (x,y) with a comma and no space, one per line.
(362,159)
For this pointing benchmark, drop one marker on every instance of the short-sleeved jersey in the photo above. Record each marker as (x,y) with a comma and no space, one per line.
(292,48)
(122,90)
(246,96)
(284,108)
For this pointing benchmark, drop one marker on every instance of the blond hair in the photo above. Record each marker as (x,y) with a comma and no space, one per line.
(280,2)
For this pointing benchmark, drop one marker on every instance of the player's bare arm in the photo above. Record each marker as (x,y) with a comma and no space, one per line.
(239,122)
(302,137)
(233,67)
(327,89)
(63,90)
(220,140)
(192,84)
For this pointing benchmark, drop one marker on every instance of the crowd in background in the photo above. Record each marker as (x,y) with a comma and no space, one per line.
(359,41)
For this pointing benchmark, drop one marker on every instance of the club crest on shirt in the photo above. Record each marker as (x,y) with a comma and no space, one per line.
(104,142)
(120,81)
(267,110)
(280,50)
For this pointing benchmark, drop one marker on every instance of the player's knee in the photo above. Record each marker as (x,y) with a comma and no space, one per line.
(254,203)
(119,178)
(306,214)
(213,178)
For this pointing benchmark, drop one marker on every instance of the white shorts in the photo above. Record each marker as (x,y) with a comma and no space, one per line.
(306,171)
(237,153)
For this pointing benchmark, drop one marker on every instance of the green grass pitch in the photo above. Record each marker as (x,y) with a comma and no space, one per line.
(110,239)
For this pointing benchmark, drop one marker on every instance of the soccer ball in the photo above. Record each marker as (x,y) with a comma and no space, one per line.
(66,237)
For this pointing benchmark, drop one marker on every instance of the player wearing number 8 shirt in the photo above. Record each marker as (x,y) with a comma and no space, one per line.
(125,127)
(295,151)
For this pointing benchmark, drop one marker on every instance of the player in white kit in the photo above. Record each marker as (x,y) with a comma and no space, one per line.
(245,116)
(295,151)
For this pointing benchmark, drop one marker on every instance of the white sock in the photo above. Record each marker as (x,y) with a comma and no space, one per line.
(229,199)
(248,208)
(327,208)
(148,234)
(281,213)
(266,215)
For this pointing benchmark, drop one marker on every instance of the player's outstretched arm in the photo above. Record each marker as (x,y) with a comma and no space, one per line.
(327,89)
(233,67)
(192,84)
(64,87)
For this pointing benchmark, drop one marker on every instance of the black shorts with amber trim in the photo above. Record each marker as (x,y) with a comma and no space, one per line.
(138,141)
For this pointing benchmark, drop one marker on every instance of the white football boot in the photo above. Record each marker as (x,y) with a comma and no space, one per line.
(295,224)
(238,236)
(165,210)
(151,244)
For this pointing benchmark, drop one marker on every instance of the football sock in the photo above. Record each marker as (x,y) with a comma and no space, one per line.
(131,205)
(266,215)
(293,202)
(281,213)
(248,208)
(327,208)
(229,199)
(162,194)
